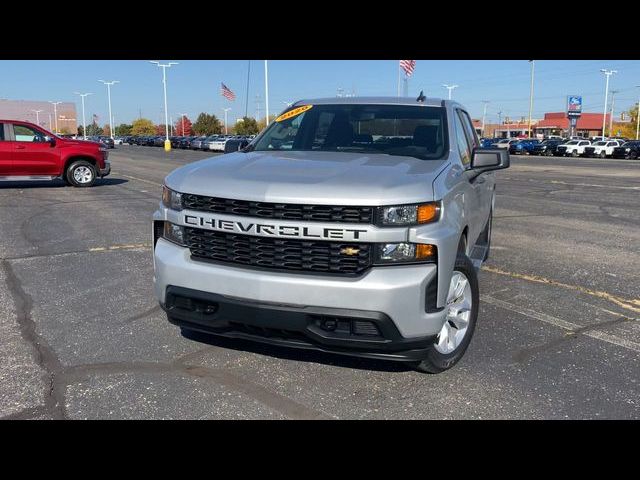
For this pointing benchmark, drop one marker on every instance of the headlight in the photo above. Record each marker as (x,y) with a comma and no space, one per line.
(386,253)
(171,199)
(174,233)
(410,214)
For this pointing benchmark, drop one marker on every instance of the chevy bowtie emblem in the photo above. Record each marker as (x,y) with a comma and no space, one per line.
(350,251)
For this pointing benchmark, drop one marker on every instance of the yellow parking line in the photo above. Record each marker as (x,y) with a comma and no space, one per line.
(628,304)
(140,179)
(120,247)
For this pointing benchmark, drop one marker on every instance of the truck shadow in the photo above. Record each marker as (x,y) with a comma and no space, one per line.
(299,355)
(57,183)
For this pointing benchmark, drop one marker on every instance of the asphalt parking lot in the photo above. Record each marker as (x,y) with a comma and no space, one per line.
(81,335)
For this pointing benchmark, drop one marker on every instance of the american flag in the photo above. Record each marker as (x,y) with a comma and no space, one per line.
(408,66)
(226,93)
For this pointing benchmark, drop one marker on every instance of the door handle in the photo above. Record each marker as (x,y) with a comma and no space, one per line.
(20,147)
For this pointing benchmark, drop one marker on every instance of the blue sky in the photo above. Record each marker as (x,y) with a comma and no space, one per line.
(194,85)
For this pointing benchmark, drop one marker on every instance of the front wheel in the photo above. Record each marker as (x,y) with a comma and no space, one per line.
(460,323)
(603,154)
(574,153)
(81,174)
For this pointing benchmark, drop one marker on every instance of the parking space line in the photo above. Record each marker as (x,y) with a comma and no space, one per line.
(120,247)
(592,185)
(571,328)
(140,179)
(627,304)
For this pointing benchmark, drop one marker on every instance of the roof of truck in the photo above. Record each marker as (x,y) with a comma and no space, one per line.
(429,102)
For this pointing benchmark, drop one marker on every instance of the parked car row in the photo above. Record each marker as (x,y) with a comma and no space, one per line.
(203,142)
(597,147)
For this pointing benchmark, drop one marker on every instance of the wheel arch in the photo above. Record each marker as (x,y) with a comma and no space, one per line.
(73,158)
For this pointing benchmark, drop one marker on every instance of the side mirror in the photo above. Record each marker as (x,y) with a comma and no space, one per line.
(51,140)
(487,159)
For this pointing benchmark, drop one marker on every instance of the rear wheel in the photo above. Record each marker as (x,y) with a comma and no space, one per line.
(81,174)
(462,314)
(603,154)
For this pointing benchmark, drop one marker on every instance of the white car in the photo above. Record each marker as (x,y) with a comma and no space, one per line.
(218,144)
(505,143)
(601,149)
(117,141)
(573,148)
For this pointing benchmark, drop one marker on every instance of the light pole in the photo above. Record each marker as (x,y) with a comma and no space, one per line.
(450,88)
(37,116)
(608,73)
(108,84)
(613,102)
(84,122)
(266,90)
(533,66)
(55,112)
(225,119)
(638,119)
(484,114)
(183,115)
(499,120)
(164,66)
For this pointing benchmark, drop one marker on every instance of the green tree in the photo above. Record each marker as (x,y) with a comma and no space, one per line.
(80,131)
(262,123)
(207,125)
(246,126)
(123,129)
(143,126)
(94,130)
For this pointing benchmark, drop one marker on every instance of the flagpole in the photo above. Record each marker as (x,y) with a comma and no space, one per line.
(398,78)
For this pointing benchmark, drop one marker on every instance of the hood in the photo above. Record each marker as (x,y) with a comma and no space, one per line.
(325,178)
(79,143)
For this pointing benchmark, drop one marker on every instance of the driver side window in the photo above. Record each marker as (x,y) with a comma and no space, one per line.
(23,133)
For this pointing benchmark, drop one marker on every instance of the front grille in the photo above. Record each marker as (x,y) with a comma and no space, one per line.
(284,211)
(276,253)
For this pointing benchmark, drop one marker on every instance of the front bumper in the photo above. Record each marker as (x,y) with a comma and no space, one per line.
(398,292)
(352,332)
(106,170)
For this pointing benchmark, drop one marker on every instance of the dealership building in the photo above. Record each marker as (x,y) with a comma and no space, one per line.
(589,124)
(25,110)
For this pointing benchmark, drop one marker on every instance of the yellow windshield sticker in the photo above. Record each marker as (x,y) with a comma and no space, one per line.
(293,113)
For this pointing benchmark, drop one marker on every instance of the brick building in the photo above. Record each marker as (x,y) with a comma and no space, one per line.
(589,124)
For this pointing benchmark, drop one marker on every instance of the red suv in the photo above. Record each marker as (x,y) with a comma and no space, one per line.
(29,152)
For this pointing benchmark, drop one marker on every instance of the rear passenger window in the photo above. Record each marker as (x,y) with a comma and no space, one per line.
(1,132)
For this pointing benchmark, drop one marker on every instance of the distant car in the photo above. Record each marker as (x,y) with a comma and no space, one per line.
(217,144)
(505,142)
(117,141)
(185,142)
(573,148)
(106,141)
(547,148)
(235,144)
(196,144)
(158,141)
(627,150)
(602,149)
(523,147)
(488,142)
(175,141)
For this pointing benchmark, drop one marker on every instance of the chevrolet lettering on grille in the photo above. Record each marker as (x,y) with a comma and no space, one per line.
(274,229)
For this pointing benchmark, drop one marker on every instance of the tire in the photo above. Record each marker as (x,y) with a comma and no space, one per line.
(603,154)
(574,153)
(436,360)
(81,174)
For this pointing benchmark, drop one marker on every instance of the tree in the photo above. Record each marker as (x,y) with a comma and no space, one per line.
(207,125)
(80,131)
(262,123)
(246,126)
(123,129)
(188,127)
(160,130)
(143,126)
(107,129)
(94,130)
(65,131)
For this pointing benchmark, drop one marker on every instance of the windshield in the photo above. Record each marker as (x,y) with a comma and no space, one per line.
(379,129)
(572,142)
(600,143)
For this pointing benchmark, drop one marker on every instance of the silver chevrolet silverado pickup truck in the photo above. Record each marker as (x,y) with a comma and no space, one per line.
(349,225)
